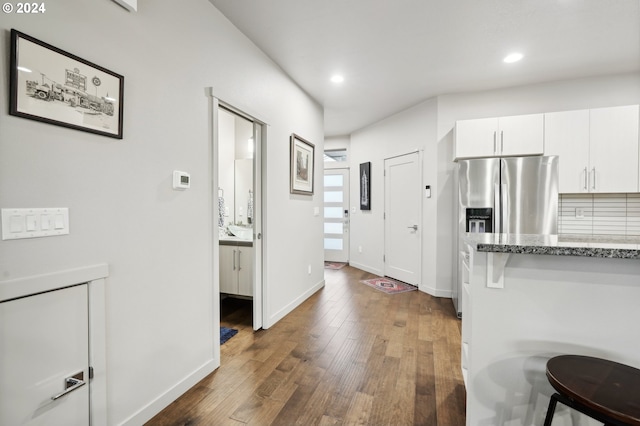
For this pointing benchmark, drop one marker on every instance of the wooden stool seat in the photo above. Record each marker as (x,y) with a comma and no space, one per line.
(604,390)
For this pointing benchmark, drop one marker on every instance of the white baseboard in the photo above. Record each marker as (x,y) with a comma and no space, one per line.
(435,292)
(272,319)
(367,268)
(147,412)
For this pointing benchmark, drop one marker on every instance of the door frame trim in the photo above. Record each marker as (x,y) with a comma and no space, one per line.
(259,181)
(420,153)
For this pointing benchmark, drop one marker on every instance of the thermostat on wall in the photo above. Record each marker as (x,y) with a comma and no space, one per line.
(181,180)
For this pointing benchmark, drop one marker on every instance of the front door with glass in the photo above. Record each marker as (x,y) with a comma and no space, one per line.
(336,215)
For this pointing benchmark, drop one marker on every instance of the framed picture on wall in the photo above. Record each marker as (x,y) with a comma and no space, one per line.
(301,163)
(56,87)
(365,186)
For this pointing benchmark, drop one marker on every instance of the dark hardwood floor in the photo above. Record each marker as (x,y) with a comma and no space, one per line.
(348,355)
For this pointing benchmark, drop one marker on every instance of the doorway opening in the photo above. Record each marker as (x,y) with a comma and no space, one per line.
(237,208)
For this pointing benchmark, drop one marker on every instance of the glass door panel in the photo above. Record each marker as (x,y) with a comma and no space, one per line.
(336,215)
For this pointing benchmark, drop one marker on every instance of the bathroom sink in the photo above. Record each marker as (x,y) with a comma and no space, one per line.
(241,232)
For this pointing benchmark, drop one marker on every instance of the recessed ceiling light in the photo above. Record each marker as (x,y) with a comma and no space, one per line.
(337,79)
(513,57)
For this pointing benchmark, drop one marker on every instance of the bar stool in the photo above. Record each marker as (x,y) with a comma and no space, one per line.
(603,390)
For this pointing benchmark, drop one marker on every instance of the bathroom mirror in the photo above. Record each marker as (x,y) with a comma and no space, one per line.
(235,169)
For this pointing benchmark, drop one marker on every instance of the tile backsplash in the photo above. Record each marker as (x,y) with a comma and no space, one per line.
(599,214)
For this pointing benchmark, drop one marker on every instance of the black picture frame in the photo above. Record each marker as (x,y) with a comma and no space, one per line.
(301,165)
(57,87)
(365,186)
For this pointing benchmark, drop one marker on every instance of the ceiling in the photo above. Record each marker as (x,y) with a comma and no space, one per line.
(394,54)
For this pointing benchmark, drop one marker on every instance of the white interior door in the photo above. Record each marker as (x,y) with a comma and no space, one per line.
(336,215)
(258,300)
(44,343)
(403,218)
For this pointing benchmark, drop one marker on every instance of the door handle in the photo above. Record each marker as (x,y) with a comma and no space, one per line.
(239,253)
(594,178)
(234,260)
(586,174)
(71,383)
(414,227)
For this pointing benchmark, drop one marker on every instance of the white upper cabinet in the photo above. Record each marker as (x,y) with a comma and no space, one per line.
(614,149)
(476,138)
(500,137)
(566,134)
(521,135)
(598,149)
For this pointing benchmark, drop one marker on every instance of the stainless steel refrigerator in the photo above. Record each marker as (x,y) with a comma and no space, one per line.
(514,195)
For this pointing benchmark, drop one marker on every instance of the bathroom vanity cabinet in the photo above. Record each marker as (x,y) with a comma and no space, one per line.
(236,267)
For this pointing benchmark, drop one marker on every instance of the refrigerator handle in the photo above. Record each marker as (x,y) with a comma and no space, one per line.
(497,210)
(504,205)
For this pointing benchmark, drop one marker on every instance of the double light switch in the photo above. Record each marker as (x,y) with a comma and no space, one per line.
(32,223)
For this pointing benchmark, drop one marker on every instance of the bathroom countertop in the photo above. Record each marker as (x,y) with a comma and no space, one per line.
(235,241)
(607,246)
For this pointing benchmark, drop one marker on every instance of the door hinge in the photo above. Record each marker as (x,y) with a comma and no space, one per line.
(90,373)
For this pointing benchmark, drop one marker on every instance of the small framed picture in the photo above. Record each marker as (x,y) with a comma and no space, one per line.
(56,87)
(365,186)
(302,157)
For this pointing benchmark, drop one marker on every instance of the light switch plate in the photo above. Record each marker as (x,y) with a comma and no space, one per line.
(33,223)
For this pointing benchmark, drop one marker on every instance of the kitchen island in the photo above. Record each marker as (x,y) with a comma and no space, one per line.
(528,298)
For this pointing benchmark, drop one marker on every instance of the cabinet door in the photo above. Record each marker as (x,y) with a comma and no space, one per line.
(476,138)
(521,135)
(566,134)
(245,271)
(614,149)
(228,270)
(44,357)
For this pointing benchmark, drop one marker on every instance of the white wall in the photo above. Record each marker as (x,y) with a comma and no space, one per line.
(337,142)
(429,126)
(160,302)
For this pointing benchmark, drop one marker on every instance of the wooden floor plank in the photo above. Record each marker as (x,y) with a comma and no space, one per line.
(382,411)
(425,397)
(348,355)
(359,409)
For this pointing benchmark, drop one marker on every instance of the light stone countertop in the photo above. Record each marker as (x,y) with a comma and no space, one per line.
(230,240)
(608,246)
